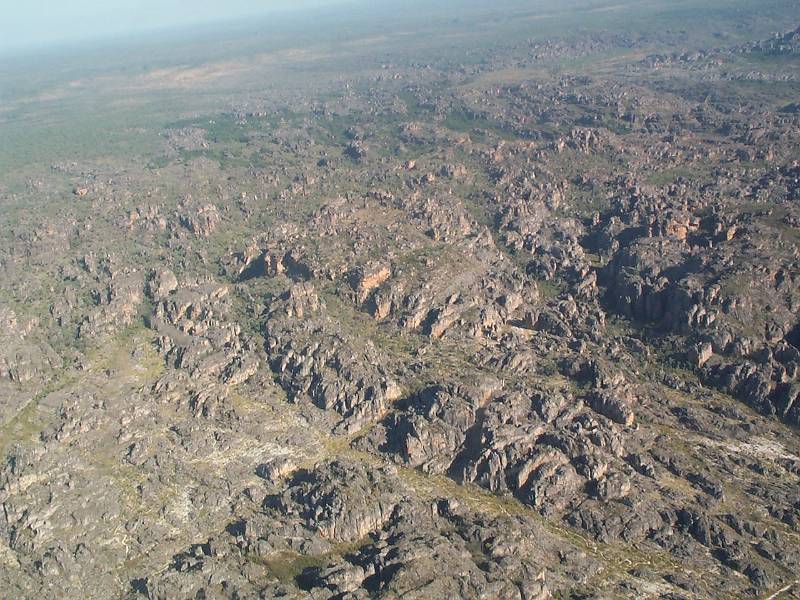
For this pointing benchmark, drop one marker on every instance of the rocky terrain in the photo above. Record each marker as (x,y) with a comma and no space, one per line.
(520,325)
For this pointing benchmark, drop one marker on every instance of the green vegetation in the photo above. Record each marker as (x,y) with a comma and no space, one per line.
(253,136)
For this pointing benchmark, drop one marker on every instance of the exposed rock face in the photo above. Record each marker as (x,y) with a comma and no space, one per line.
(365,280)
(429,434)
(641,290)
(213,354)
(616,404)
(762,386)
(518,442)
(116,304)
(302,300)
(146,218)
(270,258)
(787,43)
(464,324)
(313,358)
(701,353)
(162,282)
(342,513)
(200,220)
(22,356)
(416,549)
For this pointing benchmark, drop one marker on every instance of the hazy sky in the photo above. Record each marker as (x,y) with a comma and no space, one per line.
(31,23)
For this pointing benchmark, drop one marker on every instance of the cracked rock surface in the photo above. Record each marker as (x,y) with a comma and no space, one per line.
(497,315)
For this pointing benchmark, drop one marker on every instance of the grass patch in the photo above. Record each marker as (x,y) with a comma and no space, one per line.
(287,567)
